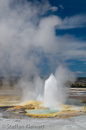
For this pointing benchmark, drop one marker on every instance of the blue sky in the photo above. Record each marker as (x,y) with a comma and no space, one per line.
(67,8)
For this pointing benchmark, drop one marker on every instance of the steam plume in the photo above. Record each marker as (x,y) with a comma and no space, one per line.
(27,35)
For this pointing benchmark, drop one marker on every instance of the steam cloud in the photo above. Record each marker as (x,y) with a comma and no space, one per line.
(27,35)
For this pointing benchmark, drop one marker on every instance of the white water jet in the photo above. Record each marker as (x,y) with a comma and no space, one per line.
(50,92)
(56,87)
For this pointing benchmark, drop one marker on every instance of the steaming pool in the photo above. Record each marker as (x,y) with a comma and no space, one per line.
(42,113)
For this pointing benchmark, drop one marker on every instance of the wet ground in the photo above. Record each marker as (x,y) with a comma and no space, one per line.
(72,123)
(15,120)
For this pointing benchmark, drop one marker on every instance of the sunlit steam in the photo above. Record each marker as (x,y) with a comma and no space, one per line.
(27,36)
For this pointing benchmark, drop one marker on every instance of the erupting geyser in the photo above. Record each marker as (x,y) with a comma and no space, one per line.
(56,87)
(55,94)
(51,92)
